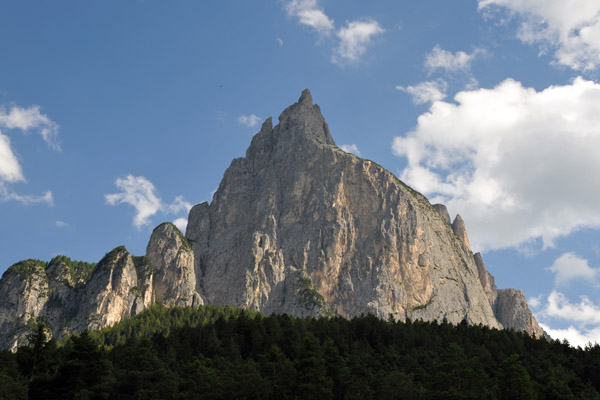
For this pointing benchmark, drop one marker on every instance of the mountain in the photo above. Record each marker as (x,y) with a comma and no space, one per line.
(296,226)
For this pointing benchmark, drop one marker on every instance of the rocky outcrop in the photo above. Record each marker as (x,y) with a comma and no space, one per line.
(296,226)
(443,211)
(174,280)
(512,311)
(299,226)
(458,226)
(72,297)
(509,305)
(487,280)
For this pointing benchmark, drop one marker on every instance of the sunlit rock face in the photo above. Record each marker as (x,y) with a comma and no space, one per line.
(297,226)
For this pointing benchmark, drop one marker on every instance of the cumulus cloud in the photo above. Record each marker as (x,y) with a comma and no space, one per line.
(354,39)
(309,14)
(576,337)
(141,194)
(571,28)
(426,92)
(514,162)
(249,120)
(442,59)
(569,267)
(31,118)
(583,319)
(350,148)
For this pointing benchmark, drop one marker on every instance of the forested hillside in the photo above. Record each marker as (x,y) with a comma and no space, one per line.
(226,353)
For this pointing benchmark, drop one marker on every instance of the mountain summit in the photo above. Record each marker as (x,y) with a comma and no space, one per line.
(297,226)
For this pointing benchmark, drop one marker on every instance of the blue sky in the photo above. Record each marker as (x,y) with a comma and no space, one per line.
(118,115)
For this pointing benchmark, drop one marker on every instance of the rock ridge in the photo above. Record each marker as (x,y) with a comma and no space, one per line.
(297,226)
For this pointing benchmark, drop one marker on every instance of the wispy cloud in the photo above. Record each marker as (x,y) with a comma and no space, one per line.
(350,148)
(249,120)
(31,118)
(6,194)
(309,14)
(440,59)
(571,28)
(354,39)
(62,224)
(426,92)
(140,193)
(25,120)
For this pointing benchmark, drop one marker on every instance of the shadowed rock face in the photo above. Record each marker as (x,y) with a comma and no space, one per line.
(301,227)
(297,226)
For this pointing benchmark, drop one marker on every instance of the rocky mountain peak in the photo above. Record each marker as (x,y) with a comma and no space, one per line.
(304,119)
(458,226)
(443,211)
(298,226)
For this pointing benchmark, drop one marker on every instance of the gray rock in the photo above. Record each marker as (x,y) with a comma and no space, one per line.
(443,211)
(513,313)
(300,227)
(297,226)
(458,226)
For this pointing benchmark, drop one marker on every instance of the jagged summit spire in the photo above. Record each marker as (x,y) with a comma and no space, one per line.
(305,98)
(305,119)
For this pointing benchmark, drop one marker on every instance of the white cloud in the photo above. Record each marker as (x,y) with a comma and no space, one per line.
(582,314)
(576,337)
(26,119)
(569,267)
(180,204)
(280,41)
(62,224)
(181,224)
(517,164)
(140,193)
(354,39)
(350,148)
(249,120)
(535,302)
(439,58)
(309,13)
(426,92)
(10,169)
(570,27)
(6,194)
(583,319)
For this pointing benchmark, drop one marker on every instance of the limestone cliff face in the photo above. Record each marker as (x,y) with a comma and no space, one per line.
(513,313)
(300,226)
(509,305)
(297,226)
(71,299)
(174,280)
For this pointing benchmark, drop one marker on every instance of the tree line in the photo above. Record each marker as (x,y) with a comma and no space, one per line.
(226,353)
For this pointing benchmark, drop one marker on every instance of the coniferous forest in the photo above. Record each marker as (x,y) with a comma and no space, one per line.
(225,353)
